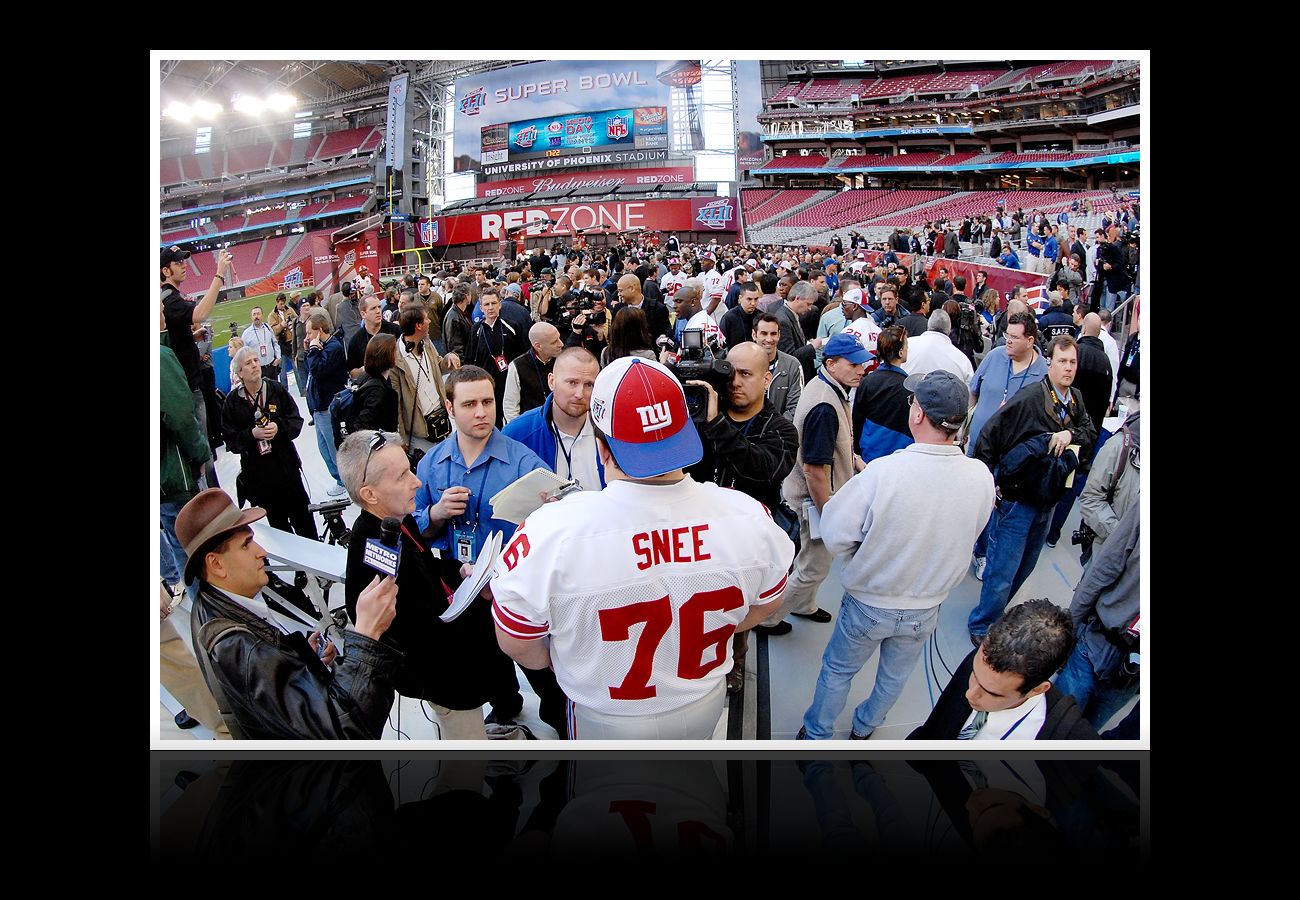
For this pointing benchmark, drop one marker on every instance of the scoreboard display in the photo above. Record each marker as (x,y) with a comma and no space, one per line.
(573,134)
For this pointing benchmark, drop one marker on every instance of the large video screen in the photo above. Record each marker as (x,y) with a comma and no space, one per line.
(552,115)
(642,128)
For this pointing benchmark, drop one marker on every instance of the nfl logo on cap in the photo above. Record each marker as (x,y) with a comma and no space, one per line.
(641,409)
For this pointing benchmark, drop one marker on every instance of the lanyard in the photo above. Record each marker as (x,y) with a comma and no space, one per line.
(1014,727)
(1021,377)
(567,454)
(255,401)
(412,538)
(532,355)
(487,330)
(477,495)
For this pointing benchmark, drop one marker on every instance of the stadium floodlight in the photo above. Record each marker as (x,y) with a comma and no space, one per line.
(178,111)
(281,102)
(251,106)
(206,109)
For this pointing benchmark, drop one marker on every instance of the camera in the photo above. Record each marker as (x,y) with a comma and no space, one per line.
(692,365)
(1084,538)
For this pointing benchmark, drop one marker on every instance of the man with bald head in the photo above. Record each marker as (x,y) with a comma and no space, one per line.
(526,380)
(750,447)
(656,313)
(1093,379)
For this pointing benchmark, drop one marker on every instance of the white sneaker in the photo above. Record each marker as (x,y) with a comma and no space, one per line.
(337,490)
(980,563)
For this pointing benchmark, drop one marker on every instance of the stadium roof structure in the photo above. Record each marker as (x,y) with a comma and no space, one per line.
(316,82)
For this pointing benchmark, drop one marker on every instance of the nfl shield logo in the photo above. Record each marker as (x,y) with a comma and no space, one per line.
(428,232)
(616,127)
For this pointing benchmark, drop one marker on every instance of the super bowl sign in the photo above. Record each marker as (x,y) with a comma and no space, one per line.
(293,278)
(473,102)
(717,214)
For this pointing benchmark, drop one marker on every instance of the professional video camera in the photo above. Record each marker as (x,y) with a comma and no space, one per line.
(698,361)
(578,303)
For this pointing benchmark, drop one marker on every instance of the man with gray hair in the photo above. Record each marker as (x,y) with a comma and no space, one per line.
(526,380)
(801,298)
(455,666)
(934,351)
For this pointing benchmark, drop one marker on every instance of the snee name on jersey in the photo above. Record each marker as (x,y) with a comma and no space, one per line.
(667,545)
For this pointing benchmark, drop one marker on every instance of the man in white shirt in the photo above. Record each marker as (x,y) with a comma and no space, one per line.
(261,338)
(1002,691)
(674,280)
(632,594)
(934,350)
(1112,349)
(714,290)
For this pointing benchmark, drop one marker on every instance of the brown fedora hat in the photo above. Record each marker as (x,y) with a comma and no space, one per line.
(209,515)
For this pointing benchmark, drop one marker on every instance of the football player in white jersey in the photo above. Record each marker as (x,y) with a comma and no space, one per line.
(632,594)
(713,287)
(674,280)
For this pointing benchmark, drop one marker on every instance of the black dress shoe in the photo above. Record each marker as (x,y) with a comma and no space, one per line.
(777,629)
(820,615)
(185,721)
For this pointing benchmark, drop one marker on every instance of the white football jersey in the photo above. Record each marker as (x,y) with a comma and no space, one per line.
(713,288)
(709,325)
(865,330)
(640,588)
(671,283)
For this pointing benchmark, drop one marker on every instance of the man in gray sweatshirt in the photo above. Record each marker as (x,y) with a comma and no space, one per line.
(893,582)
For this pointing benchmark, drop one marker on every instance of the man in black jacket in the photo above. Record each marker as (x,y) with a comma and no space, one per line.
(750,448)
(260,422)
(1002,690)
(372,323)
(1093,380)
(269,679)
(1019,525)
(656,313)
(801,298)
(455,666)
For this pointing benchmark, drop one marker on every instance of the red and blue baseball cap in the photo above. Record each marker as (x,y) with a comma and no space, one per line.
(641,409)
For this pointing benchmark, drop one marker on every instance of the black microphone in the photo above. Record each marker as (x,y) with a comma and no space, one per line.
(390,530)
(385,554)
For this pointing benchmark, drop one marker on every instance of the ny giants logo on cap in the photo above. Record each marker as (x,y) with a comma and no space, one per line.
(655,416)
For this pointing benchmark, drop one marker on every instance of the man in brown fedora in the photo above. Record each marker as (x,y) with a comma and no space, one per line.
(270,680)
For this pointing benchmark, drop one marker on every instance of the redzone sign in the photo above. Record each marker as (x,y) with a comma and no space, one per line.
(571,218)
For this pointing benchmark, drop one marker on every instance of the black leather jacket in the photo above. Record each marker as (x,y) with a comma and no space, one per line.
(270,685)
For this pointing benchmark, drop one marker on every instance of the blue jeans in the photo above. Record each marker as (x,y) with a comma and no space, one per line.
(1063,507)
(1097,701)
(167,513)
(982,542)
(859,630)
(325,441)
(285,365)
(1016,537)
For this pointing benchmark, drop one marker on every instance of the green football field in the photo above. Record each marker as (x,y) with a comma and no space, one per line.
(240,312)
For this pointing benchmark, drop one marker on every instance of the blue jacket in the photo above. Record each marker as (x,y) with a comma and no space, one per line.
(1009,259)
(327,373)
(533,430)
(1028,473)
(1050,248)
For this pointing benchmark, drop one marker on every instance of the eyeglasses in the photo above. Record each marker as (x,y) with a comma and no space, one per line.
(376,442)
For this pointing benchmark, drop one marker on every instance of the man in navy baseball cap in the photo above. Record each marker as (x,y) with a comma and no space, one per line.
(639,410)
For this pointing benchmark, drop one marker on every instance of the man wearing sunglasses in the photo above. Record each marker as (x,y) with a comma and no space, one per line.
(455,666)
